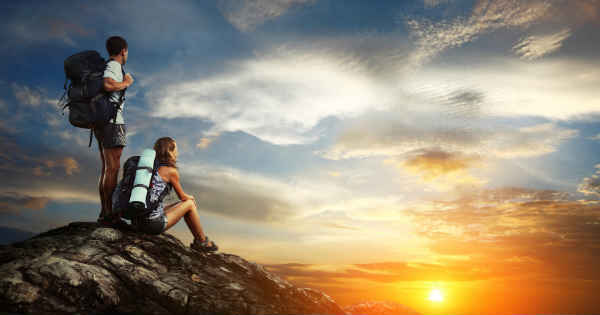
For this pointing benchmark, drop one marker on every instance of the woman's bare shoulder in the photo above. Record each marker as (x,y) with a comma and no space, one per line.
(169,173)
(173,173)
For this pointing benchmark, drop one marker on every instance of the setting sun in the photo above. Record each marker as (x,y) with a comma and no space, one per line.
(436,295)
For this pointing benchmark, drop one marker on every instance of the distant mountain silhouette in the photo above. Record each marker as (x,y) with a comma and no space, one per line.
(10,235)
(379,308)
(87,269)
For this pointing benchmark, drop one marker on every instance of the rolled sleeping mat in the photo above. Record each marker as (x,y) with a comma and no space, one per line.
(143,176)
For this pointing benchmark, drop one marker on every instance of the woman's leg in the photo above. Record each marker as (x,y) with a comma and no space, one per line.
(186,209)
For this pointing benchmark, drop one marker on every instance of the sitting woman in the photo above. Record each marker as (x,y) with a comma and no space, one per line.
(164,217)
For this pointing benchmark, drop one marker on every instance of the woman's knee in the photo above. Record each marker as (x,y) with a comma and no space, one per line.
(190,203)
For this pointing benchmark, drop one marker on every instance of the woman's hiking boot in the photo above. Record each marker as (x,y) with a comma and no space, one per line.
(204,246)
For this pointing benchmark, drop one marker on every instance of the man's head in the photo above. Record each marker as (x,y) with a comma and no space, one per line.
(117,48)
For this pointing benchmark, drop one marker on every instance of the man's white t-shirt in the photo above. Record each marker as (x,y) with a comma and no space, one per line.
(113,71)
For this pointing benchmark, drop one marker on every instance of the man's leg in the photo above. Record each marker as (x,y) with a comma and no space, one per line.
(112,156)
(101,181)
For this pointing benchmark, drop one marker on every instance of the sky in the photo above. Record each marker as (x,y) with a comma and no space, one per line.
(374,150)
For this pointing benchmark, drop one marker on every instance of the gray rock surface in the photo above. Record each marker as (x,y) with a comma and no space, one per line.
(82,268)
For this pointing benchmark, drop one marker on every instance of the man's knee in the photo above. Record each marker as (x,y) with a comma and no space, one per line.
(112,159)
(111,154)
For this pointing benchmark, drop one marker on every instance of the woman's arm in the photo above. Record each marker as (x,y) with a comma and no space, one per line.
(174,179)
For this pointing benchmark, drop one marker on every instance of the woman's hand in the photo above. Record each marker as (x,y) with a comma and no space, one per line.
(174,180)
(188,197)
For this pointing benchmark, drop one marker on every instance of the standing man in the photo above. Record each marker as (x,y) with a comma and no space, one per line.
(112,137)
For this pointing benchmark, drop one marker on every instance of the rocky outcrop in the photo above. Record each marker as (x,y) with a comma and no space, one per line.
(379,308)
(86,269)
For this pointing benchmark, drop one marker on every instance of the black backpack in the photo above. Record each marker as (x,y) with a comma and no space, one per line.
(122,193)
(89,105)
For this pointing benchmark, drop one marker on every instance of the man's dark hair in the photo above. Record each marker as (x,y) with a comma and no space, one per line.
(115,44)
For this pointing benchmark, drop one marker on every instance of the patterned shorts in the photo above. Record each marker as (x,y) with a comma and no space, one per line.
(111,135)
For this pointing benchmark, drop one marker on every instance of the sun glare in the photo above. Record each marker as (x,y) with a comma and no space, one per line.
(436,295)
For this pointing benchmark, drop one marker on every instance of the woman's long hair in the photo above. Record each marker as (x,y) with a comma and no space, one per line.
(164,148)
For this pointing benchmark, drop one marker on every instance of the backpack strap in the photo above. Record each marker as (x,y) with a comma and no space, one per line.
(121,96)
(91,133)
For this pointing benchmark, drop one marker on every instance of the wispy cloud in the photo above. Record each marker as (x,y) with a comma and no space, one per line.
(513,88)
(46,27)
(432,38)
(245,15)
(434,3)
(383,136)
(536,46)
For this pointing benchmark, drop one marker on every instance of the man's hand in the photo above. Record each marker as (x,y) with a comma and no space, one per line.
(111,85)
(128,79)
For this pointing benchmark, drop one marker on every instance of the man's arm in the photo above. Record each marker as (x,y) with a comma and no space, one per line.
(110,85)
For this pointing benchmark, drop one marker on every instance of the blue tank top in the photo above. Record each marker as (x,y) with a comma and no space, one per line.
(158,186)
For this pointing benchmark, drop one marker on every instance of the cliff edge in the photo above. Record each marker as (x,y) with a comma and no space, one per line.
(88,269)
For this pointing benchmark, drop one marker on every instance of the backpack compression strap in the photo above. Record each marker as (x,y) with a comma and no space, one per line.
(121,97)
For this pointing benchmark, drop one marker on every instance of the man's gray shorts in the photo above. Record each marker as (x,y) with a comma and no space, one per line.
(111,135)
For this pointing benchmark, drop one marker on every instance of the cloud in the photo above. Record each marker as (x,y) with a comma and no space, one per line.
(530,141)
(15,202)
(69,164)
(43,28)
(499,235)
(270,96)
(249,196)
(246,15)
(534,47)
(445,152)
(26,95)
(562,231)
(445,169)
(434,3)
(62,29)
(591,185)
(31,96)
(380,135)
(555,89)
(204,142)
(596,137)
(575,13)
(63,173)
(432,38)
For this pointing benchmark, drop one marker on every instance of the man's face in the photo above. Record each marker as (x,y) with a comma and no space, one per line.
(125,53)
